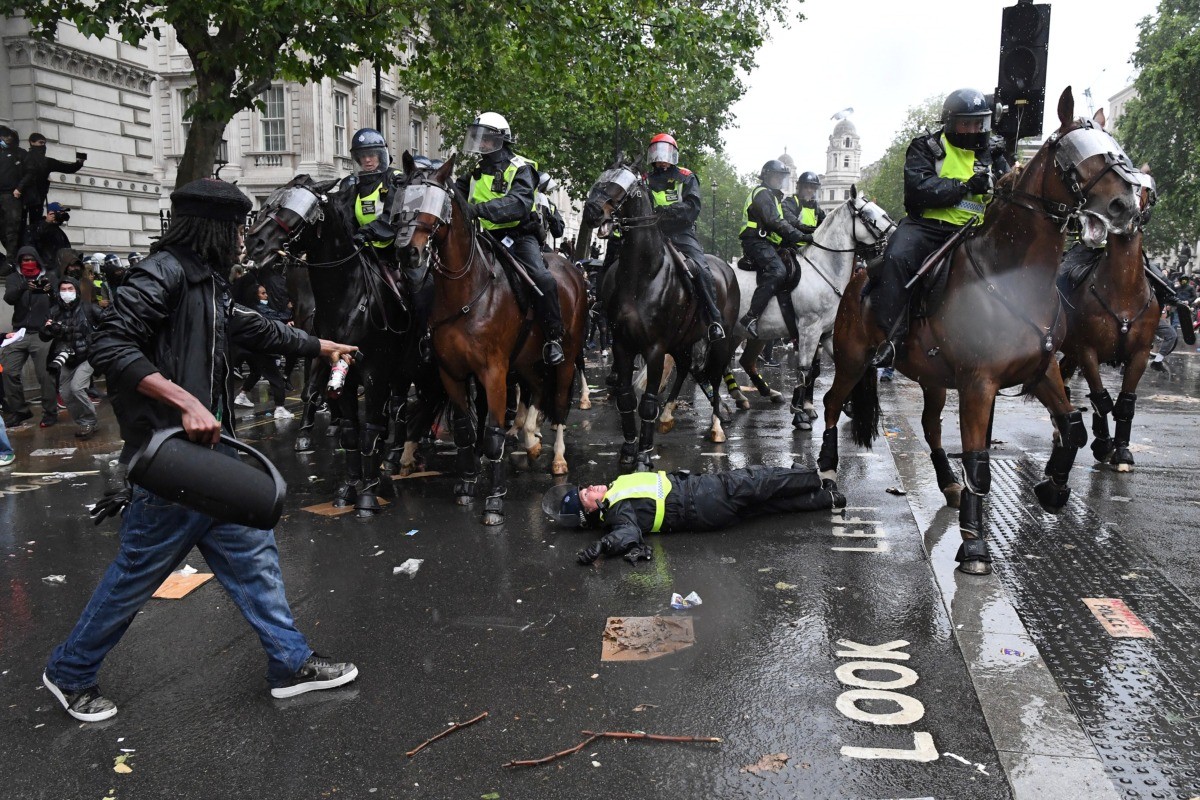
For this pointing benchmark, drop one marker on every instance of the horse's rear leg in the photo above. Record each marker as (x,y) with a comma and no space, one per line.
(312,400)
(666,421)
(1071,434)
(845,378)
(466,460)
(493,446)
(749,362)
(648,411)
(347,493)
(1102,406)
(585,395)
(735,391)
(931,424)
(531,433)
(975,407)
(626,404)
(803,413)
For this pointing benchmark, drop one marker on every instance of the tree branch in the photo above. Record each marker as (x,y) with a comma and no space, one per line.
(456,726)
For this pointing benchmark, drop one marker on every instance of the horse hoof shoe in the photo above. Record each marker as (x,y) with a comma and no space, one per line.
(975,568)
(953,495)
(464,500)
(1052,498)
(1124,467)
(492,519)
(776,397)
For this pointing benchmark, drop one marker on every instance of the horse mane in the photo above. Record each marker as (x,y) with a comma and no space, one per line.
(1009,179)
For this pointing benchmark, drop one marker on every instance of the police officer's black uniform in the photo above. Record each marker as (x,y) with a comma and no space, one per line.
(765,229)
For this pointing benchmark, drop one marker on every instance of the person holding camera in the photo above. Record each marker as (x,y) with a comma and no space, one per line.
(47,234)
(69,330)
(28,291)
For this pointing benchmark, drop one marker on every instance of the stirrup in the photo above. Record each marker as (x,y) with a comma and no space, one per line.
(885,355)
(552,353)
(750,323)
(715,332)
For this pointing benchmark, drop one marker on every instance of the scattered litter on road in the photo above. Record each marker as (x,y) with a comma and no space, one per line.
(593,463)
(409,567)
(53,451)
(188,569)
(1008,651)
(179,585)
(772,762)
(783,587)
(691,601)
(640,707)
(55,579)
(120,766)
(627,736)
(595,763)
(644,638)
(454,726)
(957,757)
(894,490)
(413,532)
(1116,498)
(728,560)
(376,553)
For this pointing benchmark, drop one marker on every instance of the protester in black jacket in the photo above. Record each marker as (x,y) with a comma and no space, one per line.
(162,345)
(36,185)
(48,236)
(12,174)
(69,330)
(28,291)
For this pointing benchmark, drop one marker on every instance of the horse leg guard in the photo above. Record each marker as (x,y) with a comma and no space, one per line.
(371,446)
(466,462)
(510,406)
(493,450)
(347,492)
(1053,492)
(648,410)
(626,405)
(947,480)
(827,459)
(1123,413)
(1102,406)
(972,557)
(760,383)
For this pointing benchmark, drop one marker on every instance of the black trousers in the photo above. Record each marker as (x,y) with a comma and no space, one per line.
(12,215)
(529,252)
(702,280)
(262,365)
(909,245)
(722,499)
(771,272)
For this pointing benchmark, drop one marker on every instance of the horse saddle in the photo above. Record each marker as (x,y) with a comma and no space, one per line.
(787,309)
(1077,264)
(514,271)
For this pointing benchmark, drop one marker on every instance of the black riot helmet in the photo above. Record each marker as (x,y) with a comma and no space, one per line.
(369,142)
(773,174)
(967,119)
(808,179)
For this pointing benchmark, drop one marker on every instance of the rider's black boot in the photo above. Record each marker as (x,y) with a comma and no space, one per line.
(885,354)
(750,323)
(552,352)
(706,294)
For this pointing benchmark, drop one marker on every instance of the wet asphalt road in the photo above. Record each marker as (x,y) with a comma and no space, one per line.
(504,620)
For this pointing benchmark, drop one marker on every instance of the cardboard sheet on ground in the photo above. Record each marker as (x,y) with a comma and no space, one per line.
(644,638)
(328,509)
(178,585)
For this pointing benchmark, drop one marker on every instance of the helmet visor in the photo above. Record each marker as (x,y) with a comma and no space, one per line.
(773,180)
(371,159)
(969,131)
(482,139)
(662,151)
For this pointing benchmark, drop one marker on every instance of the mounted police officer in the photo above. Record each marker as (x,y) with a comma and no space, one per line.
(801,208)
(501,192)
(765,229)
(947,182)
(675,192)
(373,187)
(649,502)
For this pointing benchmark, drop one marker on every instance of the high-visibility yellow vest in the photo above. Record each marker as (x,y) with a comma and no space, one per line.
(669,196)
(960,164)
(749,224)
(367,209)
(652,486)
(483,191)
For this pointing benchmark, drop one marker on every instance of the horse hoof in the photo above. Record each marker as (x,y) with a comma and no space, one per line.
(533,452)
(585,405)
(339,502)
(492,518)
(1051,497)
(406,470)
(559,467)
(974,567)
(666,425)
(776,397)
(304,444)
(1124,467)
(717,437)
(953,495)
(828,475)
(744,404)
(464,500)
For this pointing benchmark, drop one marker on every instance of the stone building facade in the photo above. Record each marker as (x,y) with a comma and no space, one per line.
(843,166)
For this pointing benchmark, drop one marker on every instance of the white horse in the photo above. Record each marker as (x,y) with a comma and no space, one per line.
(825,268)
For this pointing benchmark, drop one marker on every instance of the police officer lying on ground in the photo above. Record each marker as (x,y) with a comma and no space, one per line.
(649,502)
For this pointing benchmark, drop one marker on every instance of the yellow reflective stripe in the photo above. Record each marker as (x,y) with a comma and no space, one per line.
(668,196)
(808,216)
(749,224)
(482,191)
(959,164)
(365,217)
(642,485)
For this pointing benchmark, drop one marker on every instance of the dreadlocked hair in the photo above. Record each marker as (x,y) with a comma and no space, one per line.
(213,240)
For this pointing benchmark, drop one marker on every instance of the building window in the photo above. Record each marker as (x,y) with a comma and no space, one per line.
(845,161)
(847,141)
(274,121)
(185,125)
(341,117)
(845,194)
(416,136)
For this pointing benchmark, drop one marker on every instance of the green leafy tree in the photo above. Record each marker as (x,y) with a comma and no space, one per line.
(1161,126)
(721,219)
(883,181)
(237,48)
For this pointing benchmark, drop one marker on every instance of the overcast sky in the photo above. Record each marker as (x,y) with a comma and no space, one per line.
(883,56)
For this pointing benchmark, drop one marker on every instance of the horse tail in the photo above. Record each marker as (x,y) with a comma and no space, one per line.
(864,408)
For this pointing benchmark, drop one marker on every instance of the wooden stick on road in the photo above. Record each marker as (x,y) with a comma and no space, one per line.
(447,732)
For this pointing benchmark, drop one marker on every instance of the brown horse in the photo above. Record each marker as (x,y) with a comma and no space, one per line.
(482,335)
(998,324)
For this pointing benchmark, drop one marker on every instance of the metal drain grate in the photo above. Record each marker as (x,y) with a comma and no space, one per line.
(1138,699)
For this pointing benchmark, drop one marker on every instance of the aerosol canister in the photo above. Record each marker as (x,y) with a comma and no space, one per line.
(337,378)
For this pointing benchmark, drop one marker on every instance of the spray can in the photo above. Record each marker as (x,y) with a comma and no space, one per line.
(337,378)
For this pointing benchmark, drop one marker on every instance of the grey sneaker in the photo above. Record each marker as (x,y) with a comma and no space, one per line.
(317,673)
(6,461)
(85,705)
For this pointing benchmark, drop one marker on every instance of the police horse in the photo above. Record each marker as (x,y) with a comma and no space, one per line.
(358,302)
(484,337)
(997,323)
(856,227)
(651,311)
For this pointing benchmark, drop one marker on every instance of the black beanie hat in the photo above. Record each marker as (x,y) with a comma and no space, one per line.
(209,198)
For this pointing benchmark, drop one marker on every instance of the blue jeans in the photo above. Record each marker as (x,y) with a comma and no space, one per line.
(5,444)
(156,536)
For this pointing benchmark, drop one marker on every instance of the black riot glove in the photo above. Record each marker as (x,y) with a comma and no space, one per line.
(112,503)
(979,183)
(616,543)
(803,238)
